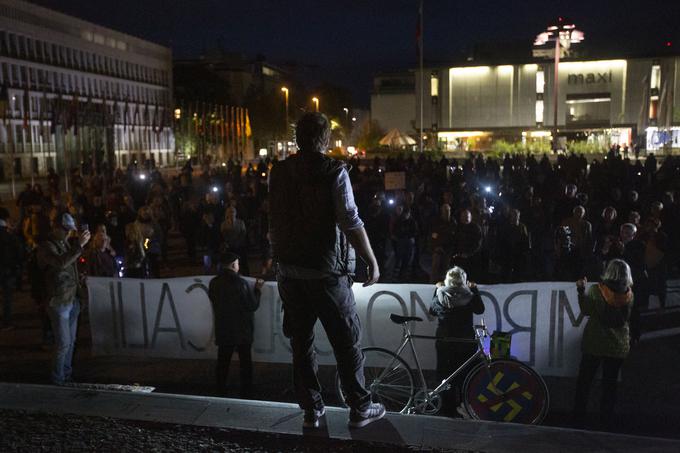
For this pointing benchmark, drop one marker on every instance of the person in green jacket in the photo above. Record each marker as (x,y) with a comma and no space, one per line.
(606,337)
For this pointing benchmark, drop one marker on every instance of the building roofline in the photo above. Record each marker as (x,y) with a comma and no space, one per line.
(68,21)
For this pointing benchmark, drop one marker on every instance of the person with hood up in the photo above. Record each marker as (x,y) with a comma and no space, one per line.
(454,302)
(606,337)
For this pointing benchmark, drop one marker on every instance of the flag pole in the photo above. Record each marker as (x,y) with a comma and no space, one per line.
(422,76)
(11,129)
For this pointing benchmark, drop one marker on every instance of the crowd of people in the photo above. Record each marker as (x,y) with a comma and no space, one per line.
(522,218)
(519,218)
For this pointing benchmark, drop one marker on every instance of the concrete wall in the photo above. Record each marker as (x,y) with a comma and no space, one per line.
(396,110)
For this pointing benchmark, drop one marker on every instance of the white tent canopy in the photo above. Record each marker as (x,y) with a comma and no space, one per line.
(396,139)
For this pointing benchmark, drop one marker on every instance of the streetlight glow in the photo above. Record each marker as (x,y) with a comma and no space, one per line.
(564,34)
(285,136)
(315,100)
(178,114)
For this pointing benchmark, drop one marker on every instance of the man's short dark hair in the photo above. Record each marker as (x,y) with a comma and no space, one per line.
(313,132)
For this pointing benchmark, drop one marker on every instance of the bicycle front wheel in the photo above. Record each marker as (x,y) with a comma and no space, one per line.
(388,377)
(506,391)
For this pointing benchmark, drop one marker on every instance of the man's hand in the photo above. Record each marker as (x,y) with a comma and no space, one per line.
(84,238)
(373,274)
(472,285)
(259,283)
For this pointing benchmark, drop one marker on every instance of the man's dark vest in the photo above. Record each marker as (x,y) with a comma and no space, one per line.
(303,227)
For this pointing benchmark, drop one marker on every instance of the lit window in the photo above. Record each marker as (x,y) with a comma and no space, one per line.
(434,85)
(540,82)
(655,82)
(539,111)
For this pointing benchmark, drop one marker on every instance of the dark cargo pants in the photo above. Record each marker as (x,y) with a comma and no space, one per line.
(332,302)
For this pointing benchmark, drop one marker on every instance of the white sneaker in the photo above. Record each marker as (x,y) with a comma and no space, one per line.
(359,419)
(312,417)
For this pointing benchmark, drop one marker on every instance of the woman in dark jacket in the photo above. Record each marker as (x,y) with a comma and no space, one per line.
(454,302)
(606,337)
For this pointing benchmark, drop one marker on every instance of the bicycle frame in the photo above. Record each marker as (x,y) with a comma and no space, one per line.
(407,339)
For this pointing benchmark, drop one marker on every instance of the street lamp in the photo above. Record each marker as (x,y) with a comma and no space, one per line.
(346,110)
(564,34)
(178,114)
(315,100)
(285,136)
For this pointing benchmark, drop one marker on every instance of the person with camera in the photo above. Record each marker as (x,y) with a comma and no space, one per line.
(57,257)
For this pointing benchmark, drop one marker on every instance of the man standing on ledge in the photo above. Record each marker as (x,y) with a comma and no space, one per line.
(313,217)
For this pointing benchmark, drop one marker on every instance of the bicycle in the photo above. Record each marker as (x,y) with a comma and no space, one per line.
(495,390)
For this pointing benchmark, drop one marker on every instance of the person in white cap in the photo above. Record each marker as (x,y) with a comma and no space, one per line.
(58,258)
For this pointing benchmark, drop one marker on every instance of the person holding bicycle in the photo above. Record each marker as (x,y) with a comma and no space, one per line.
(606,337)
(453,303)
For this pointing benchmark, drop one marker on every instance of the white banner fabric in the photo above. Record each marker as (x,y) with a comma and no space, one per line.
(173,318)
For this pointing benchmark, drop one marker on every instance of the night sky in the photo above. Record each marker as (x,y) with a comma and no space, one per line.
(352,40)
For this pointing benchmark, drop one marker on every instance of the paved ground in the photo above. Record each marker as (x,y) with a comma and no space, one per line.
(45,432)
(649,392)
(269,420)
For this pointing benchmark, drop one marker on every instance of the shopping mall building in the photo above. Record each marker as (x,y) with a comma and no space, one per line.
(75,92)
(601,101)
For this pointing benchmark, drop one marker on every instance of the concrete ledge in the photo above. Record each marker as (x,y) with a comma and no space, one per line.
(283,418)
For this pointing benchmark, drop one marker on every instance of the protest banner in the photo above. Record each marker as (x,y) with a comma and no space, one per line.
(173,318)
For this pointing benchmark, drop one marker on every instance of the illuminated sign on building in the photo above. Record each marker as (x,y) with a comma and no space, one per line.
(589,78)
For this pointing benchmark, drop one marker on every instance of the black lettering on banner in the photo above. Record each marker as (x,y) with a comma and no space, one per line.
(496,308)
(121,315)
(278,324)
(198,284)
(551,332)
(565,307)
(274,330)
(369,311)
(417,301)
(531,328)
(145,324)
(114,316)
(177,328)
(142,301)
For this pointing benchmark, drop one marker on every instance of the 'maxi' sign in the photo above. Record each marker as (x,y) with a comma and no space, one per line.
(589,78)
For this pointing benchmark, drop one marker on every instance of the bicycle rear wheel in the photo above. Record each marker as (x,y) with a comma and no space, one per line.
(506,391)
(388,377)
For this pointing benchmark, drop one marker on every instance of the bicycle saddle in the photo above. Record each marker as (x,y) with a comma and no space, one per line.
(402,319)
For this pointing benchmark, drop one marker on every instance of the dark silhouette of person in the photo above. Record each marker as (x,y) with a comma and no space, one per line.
(313,221)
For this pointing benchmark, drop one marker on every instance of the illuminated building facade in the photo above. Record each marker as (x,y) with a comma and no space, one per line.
(620,101)
(78,94)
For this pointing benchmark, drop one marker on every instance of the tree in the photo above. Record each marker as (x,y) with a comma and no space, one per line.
(370,135)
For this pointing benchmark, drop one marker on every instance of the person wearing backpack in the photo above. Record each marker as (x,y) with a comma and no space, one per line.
(606,337)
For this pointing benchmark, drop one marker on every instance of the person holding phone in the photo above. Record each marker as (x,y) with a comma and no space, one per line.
(58,258)
(234,302)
